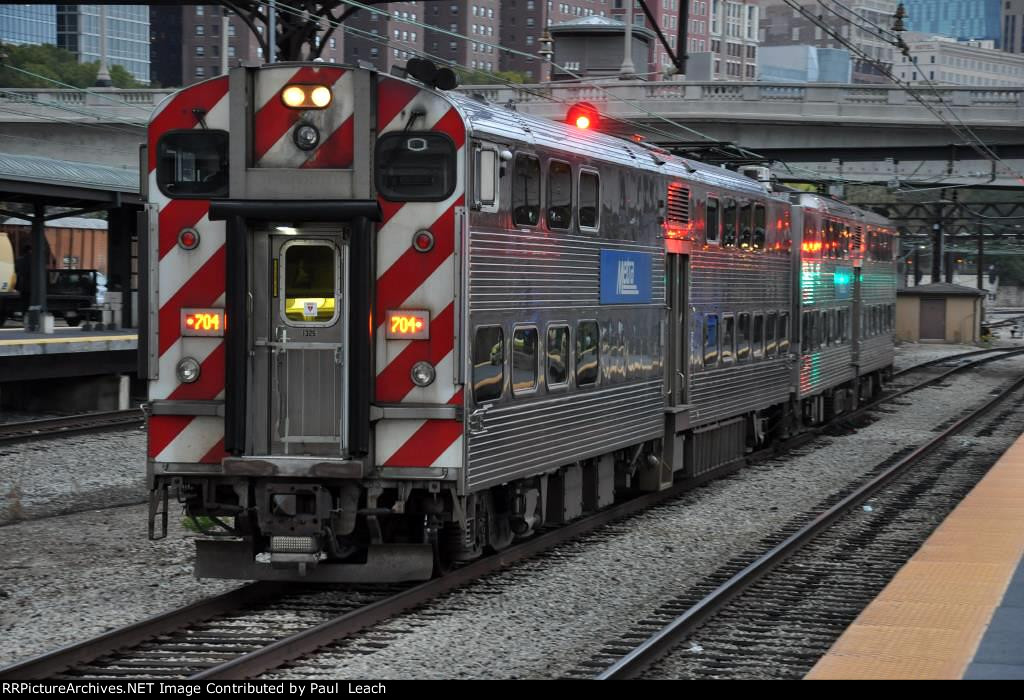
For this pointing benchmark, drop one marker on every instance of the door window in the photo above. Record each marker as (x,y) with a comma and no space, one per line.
(310,282)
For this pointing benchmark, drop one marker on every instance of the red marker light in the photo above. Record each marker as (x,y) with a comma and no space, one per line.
(583,115)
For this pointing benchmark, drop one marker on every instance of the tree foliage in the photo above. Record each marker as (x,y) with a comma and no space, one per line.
(51,63)
(477,77)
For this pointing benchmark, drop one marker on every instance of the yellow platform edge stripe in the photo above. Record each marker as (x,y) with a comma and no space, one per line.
(928,621)
(84,339)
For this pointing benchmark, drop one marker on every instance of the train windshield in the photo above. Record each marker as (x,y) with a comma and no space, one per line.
(415,166)
(193,164)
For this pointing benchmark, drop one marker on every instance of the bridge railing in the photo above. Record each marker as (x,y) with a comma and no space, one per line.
(613,97)
(92,103)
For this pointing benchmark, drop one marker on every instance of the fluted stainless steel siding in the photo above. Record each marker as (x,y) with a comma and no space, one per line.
(726,282)
(558,430)
(533,276)
(730,391)
(520,269)
(825,368)
(878,286)
(876,353)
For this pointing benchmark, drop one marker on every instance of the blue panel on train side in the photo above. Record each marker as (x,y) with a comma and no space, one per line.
(625,277)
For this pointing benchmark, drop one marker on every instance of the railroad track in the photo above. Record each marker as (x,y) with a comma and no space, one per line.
(262,626)
(679,619)
(66,425)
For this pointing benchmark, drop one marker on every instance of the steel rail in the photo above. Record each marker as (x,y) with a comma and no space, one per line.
(67,425)
(294,646)
(947,358)
(663,641)
(54,662)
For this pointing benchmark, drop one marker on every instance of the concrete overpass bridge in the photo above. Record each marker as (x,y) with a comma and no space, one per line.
(860,133)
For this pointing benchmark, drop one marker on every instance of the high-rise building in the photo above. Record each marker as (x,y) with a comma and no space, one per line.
(1012,39)
(385,41)
(667,16)
(28,24)
(946,61)
(127,30)
(479,20)
(187,43)
(959,19)
(522,28)
(873,54)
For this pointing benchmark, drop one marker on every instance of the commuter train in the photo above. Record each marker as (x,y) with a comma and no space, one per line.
(391,326)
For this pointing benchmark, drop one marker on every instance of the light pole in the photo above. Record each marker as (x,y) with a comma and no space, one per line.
(627,70)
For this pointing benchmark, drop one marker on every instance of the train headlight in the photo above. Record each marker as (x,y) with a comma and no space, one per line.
(423,374)
(306,136)
(188,370)
(293,96)
(320,96)
(299,96)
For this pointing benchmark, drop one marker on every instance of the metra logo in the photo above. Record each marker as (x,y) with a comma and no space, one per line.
(626,283)
(625,277)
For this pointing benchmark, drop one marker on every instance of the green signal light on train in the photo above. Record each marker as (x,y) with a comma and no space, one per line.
(842,278)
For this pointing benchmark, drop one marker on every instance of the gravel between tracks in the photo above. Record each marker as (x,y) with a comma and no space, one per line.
(541,618)
(70,473)
(73,576)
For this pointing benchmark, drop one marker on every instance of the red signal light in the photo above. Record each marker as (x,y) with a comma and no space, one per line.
(583,115)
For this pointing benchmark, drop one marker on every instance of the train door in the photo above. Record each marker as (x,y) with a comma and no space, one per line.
(308,312)
(677,367)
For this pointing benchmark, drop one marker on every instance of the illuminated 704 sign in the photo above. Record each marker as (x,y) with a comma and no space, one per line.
(200,322)
(403,324)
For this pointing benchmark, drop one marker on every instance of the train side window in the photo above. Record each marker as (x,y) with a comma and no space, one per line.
(558,356)
(770,323)
(822,329)
(759,227)
(526,191)
(845,241)
(193,164)
(590,200)
(524,360)
(588,344)
(812,240)
(757,349)
(746,234)
(783,334)
(729,224)
(711,340)
(712,221)
(486,184)
(559,194)
(806,331)
(743,338)
(728,339)
(415,166)
(830,240)
(488,364)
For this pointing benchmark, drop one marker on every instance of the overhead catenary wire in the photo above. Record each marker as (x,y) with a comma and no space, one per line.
(299,12)
(87,91)
(971,139)
(18,97)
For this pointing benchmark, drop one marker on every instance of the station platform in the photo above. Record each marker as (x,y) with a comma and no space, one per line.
(67,352)
(956,609)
